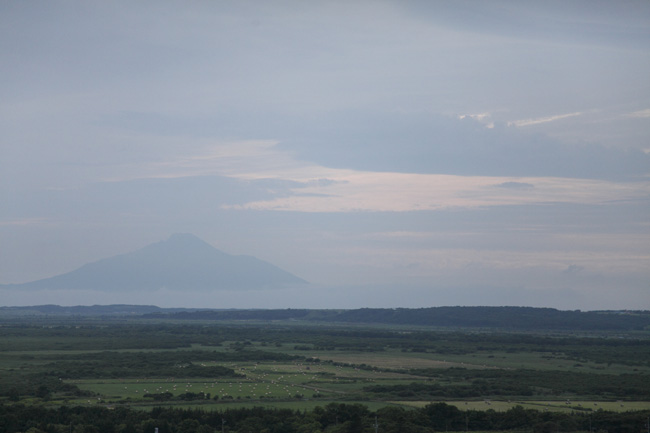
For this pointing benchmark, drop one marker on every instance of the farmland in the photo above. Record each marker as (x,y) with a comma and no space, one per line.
(217,367)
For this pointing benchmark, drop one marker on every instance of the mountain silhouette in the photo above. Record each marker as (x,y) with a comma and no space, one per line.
(182,262)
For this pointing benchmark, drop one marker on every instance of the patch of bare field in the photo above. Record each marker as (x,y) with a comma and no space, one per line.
(546,406)
(319,369)
(357,373)
(396,362)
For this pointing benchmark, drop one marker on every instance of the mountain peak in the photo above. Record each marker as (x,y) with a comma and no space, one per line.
(182,241)
(183,237)
(182,262)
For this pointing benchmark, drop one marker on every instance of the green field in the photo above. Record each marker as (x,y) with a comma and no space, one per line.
(207,368)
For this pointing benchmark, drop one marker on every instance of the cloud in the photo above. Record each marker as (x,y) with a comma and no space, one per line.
(301,132)
(434,144)
(24,222)
(206,158)
(515,185)
(640,114)
(528,122)
(584,23)
(139,199)
(573,269)
(355,191)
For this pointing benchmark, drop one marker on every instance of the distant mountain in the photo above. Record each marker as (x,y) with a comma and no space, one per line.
(182,262)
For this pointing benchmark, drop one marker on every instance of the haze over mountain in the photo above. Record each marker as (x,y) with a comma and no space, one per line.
(393,153)
(182,262)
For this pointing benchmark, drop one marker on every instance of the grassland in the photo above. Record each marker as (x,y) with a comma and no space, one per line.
(330,364)
(207,368)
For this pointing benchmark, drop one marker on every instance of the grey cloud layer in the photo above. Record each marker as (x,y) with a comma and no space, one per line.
(435,144)
(123,122)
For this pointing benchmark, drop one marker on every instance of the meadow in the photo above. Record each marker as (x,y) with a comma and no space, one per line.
(219,367)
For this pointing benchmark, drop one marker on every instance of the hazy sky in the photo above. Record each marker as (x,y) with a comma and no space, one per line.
(392,153)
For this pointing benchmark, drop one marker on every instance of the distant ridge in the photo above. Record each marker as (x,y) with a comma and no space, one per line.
(182,262)
(501,318)
(506,318)
(83,310)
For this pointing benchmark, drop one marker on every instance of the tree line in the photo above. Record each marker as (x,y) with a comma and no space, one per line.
(333,418)
(527,318)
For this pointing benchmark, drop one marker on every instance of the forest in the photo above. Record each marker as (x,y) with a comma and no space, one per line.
(185,372)
(333,417)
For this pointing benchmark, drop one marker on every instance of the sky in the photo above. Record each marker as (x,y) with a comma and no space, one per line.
(392,153)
